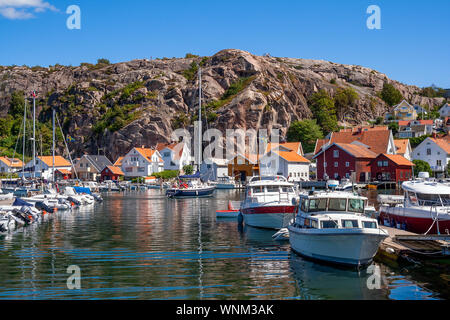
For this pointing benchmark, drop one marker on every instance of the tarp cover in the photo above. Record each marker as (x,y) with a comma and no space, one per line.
(192,176)
(20,203)
(82,190)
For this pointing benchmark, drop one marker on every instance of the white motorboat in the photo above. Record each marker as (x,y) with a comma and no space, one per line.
(345,185)
(268,202)
(225,182)
(425,208)
(332,227)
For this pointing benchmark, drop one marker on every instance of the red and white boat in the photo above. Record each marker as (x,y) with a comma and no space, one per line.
(425,209)
(268,202)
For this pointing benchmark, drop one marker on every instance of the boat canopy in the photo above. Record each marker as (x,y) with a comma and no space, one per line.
(82,190)
(423,187)
(191,176)
(20,203)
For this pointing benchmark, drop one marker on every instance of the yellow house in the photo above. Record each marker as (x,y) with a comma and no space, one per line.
(243,166)
(404,111)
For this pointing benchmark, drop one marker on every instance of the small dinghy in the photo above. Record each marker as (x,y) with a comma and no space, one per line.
(230,213)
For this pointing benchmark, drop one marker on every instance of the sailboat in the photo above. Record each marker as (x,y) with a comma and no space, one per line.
(193,187)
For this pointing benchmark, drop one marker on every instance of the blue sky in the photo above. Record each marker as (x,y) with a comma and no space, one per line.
(413,45)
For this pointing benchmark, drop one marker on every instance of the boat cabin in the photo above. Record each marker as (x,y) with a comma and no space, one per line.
(333,211)
(421,193)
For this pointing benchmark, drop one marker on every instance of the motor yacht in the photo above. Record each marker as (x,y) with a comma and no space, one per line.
(331,226)
(268,202)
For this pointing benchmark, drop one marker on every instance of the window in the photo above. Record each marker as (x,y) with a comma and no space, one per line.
(349,223)
(325,164)
(329,224)
(337,205)
(439,162)
(140,169)
(347,175)
(369,224)
(290,174)
(273,189)
(385,164)
(81,165)
(380,163)
(166,154)
(304,205)
(336,153)
(347,164)
(336,175)
(401,174)
(317,205)
(336,164)
(356,205)
(428,152)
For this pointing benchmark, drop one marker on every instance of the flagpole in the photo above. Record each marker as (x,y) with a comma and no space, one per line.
(34,134)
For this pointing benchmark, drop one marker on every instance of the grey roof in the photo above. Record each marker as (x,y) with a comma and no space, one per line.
(99,162)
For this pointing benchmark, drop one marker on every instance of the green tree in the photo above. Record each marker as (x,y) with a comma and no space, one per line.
(394,127)
(16,106)
(307,132)
(324,111)
(421,166)
(390,94)
(345,99)
(188,169)
(103,61)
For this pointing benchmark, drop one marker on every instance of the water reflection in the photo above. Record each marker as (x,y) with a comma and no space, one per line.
(144,246)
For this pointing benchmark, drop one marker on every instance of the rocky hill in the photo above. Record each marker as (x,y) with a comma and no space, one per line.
(140,102)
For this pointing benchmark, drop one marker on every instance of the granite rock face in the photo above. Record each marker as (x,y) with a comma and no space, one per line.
(149,99)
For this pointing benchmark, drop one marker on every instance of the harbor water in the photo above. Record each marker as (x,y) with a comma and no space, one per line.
(141,245)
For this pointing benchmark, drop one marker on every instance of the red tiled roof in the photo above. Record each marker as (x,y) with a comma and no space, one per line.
(291,156)
(147,153)
(114,170)
(443,143)
(401,145)
(398,159)
(356,150)
(12,162)
(118,162)
(293,146)
(59,161)
(377,139)
(172,146)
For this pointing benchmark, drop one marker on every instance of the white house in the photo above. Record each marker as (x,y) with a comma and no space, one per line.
(212,168)
(403,148)
(435,151)
(286,163)
(8,165)
(414,128)
(44,166)
(445,111)
(142,162)
(174,155)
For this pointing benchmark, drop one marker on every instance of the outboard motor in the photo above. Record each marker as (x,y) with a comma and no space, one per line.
(75,201)
(42,206)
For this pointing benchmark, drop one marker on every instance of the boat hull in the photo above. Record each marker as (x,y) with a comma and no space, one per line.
(355,247)
(268,217)
(190,193)
(225,186)
(417,220)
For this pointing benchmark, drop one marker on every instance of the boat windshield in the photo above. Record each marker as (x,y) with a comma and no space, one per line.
(356,205)
(433,199)
(319,204)
(337,204)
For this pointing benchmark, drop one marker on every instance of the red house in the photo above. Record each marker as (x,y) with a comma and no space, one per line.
(341,160)
(391,167)
(111,173)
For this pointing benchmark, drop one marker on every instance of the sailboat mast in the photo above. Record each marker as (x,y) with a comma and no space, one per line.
(199,118)
(23,139)
(53,147)
(34,134)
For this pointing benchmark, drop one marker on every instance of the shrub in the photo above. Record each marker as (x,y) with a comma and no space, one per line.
(190,73)
(103,61)
(421,166)
(390,94)
(307,132)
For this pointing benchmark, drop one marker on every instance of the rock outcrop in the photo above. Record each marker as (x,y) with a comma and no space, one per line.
(140,102)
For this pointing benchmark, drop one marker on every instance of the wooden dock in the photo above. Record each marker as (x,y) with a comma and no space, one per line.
(405,244)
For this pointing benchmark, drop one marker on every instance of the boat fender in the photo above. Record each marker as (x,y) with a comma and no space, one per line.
(240,218)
